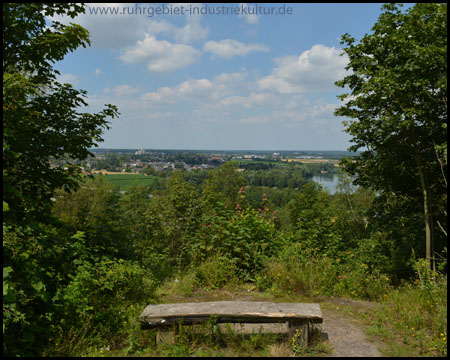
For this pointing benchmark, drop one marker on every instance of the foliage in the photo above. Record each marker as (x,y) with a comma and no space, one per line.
(37,125)
(415,315)
(314,221)
(244,237)
(216,272)
(222,187)
(174,217)
(81,260)
(99,293)
(41,119)
(398,101)
(32,276)
(85,209)
(299,271)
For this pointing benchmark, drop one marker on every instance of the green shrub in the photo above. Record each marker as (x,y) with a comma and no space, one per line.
(182,286)
(416,315)
(244,237)
(298,274)
(101,294)
(216,272)
(356,281)
(298,270)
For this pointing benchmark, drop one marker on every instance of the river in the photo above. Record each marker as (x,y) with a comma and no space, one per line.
(328,181)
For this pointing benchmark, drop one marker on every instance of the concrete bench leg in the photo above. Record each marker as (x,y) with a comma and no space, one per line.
(167,337)
(299,333)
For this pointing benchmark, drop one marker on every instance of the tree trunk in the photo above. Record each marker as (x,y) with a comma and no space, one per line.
(427,214)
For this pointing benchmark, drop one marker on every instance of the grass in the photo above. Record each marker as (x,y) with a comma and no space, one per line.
(209,340)
(413,320)
(410,321)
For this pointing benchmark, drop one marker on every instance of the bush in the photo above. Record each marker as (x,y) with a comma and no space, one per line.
(100,294)
(216,272)
(297,270)
(417,315)
(244,237)
(355,280)
(294,272)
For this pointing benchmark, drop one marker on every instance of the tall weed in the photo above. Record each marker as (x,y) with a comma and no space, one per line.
(416,314)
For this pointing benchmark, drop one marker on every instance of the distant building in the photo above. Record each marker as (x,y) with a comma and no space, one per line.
(140,152)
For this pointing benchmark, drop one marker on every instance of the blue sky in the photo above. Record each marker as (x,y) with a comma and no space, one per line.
(217,81)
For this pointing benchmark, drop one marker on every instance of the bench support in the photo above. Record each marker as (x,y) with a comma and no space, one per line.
(245,317)
(298,333)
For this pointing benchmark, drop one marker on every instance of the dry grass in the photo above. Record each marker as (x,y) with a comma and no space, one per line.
(280,350)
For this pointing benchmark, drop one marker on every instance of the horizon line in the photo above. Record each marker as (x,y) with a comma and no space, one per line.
(181,149)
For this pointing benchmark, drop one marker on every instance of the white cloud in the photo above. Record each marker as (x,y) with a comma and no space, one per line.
(231,78)
(305,113)
(161,55)
(109,30)
(120,25)
(229,48)
(254,100)
(192,89)
(121,90)
(161,115)
(314,70)
(272,82)
(250,15)
(254,120)
(193,31)
(66,78)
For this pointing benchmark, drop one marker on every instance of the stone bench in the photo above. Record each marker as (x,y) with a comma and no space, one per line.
(243,317)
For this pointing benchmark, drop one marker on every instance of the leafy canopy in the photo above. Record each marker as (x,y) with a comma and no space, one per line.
(41,117)
(398,109)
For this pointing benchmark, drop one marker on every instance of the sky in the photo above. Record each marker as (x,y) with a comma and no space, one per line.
(228,80)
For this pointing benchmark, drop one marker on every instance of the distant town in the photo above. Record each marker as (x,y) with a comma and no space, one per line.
(151,161)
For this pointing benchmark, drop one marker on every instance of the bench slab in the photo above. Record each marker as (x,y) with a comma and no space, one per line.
(231,312)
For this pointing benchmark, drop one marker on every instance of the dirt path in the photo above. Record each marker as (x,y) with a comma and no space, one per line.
(344,333)
(346,336)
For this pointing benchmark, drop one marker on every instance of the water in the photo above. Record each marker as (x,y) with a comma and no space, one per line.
(328,181)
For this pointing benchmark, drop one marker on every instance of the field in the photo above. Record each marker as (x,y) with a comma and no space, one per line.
(125,180)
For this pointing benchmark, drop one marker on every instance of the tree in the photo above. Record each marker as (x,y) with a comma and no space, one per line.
(223,186)
(177,215)
(41,118)
(398,98)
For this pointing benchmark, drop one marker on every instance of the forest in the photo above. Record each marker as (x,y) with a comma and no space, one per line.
(81,260)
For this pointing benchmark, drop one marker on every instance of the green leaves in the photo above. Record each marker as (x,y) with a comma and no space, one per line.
(398,106)
(41,117)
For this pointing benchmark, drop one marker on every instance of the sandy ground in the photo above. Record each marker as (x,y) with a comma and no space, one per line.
(346,337)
